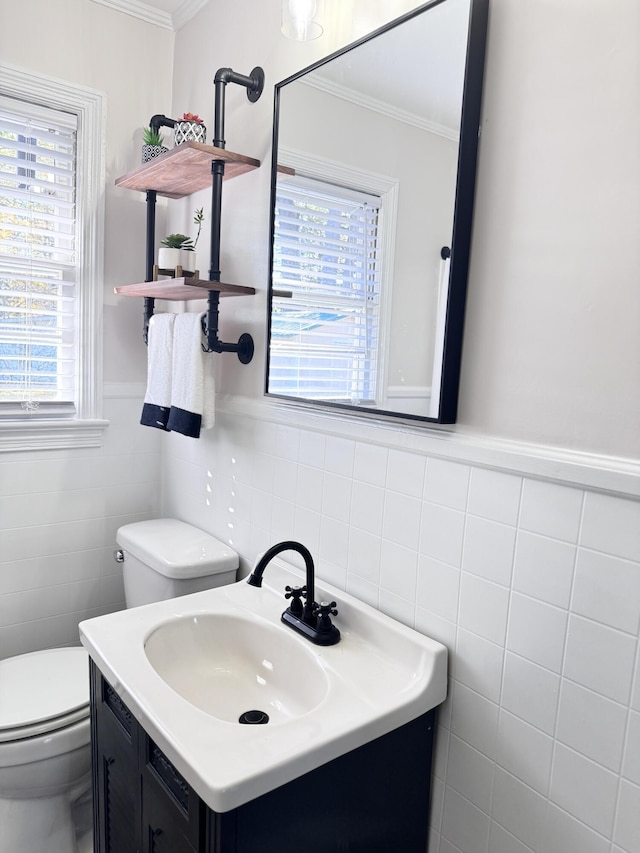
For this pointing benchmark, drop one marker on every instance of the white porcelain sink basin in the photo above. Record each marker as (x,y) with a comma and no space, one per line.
(188,667)
(227,667)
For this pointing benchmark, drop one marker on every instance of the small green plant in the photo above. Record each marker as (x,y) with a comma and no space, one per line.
(151,136)
(178,241)
(198,219)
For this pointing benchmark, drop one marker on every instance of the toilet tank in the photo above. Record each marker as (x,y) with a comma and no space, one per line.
(165,558)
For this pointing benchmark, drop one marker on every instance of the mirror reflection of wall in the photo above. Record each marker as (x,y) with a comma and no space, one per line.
(381,119)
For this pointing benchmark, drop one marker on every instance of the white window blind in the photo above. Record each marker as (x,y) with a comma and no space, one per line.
(324,339)
(38,261)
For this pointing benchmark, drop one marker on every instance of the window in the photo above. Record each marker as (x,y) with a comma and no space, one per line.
(51,181)
(324,337)
(37,259)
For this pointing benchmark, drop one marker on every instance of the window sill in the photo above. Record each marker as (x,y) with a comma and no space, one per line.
(50,434)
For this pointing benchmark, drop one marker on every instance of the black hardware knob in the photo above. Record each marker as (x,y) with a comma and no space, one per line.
(324,611)
(295,593)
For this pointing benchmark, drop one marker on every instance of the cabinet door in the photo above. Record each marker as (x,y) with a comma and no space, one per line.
(116,779)
(172,814)
(162,830)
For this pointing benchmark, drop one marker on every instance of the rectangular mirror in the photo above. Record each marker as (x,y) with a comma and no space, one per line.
(373,176)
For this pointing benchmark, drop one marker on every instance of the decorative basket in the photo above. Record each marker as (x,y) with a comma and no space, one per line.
(189,131)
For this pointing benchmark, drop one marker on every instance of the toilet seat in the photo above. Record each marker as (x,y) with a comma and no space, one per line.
(43,692)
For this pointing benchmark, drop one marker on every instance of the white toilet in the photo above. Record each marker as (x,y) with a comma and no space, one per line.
(45,756)
(166,558)
(45,738)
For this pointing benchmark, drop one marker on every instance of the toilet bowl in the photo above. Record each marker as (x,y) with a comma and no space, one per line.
(45,749)
(45,738)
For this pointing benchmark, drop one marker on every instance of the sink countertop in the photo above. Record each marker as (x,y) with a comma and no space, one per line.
(379,676)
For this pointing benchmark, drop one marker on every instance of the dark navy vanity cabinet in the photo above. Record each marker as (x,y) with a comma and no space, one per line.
(370,800)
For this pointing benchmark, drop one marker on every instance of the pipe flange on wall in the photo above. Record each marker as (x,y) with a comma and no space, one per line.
(255,91)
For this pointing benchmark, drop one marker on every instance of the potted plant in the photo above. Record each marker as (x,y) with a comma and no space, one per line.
(189,128)
(152,144)
(170,251)
(179,250)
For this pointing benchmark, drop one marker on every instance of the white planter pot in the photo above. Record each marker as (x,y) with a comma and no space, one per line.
(189,261)
(169,259)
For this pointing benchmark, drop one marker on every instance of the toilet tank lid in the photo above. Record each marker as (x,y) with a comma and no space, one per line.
(176,549)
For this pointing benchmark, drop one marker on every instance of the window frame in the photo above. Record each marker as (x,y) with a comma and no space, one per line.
(26,432)
(360,180)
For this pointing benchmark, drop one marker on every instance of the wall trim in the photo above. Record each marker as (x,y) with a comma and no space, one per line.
(51,435)
(185,11)
(615,475)
(375,105)
(139,10)
(144,12)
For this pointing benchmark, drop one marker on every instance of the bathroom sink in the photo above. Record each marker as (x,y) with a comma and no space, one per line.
(190,667)
(234,670)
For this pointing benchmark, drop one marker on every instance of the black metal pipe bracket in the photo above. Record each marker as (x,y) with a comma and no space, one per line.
(254,84)
(159,120)
(244,348)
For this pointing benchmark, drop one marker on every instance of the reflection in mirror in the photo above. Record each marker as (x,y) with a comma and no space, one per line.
(373,179)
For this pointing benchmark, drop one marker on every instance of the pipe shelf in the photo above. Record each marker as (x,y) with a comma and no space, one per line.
(182,289)
(179,172)
(185,169)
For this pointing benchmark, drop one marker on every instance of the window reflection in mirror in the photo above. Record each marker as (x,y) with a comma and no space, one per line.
(325,328)
(373,177)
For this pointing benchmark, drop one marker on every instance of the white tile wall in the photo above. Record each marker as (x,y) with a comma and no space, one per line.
(59,511)
(533,585)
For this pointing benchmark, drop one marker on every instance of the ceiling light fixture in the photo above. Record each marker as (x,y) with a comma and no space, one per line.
(298,20)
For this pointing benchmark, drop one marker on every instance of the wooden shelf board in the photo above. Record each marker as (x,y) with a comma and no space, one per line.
(182,289)
(185,169)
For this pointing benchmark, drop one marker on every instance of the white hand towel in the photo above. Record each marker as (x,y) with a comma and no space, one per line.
(157,400)
(193,386)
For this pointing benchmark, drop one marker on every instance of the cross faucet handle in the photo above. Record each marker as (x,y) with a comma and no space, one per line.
(324,611)
(295,593)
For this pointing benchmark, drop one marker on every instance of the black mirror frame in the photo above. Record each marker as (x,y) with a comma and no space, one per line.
(462,219)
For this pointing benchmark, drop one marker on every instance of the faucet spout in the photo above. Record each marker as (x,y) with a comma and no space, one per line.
(255,578)
(318,630)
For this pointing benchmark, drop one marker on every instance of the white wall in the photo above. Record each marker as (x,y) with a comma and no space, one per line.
(59,513)
(515,537)
(532,584)
(551,351)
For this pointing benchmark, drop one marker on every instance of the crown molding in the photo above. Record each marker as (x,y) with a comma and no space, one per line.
(382,107)
(144,12)
(185,11)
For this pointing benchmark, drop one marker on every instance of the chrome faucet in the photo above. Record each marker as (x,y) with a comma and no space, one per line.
(312,620)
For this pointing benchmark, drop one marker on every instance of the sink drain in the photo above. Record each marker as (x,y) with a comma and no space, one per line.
(253,718)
